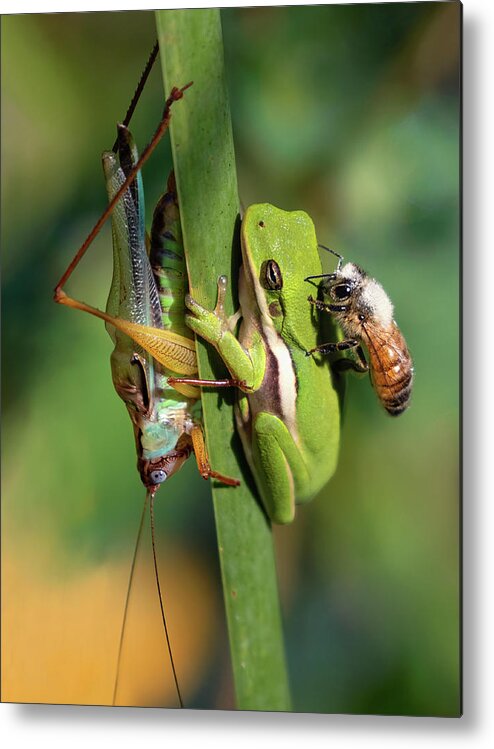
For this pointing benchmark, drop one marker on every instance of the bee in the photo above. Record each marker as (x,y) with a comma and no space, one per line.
(364,312)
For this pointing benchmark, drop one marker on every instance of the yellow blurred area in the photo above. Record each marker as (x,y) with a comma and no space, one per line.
(61,636)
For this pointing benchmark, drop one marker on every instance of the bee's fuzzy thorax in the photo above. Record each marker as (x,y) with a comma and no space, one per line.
(372,297)
(376,299)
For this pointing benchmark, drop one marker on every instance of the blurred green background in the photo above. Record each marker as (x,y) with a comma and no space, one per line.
(350,113)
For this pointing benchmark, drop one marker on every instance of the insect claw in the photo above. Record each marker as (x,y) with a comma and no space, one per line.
(177,93)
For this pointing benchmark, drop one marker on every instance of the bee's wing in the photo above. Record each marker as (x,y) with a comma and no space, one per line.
(388,352)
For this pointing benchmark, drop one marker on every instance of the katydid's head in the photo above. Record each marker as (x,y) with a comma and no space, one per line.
(161,446)
(157,470)
(277,249)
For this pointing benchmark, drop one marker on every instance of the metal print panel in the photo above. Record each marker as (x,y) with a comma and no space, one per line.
(276,527)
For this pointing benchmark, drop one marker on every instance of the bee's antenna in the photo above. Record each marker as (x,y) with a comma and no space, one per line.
(328,249)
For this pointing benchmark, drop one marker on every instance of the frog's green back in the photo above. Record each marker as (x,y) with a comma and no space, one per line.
(289,239)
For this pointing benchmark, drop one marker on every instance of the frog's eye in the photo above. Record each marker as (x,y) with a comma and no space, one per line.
(158,476)
(341,291)
(272,275)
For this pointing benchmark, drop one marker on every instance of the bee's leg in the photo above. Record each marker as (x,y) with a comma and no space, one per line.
(358,363)
(328,307)
(331,348)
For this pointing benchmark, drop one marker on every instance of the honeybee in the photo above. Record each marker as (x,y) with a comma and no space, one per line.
(365,314)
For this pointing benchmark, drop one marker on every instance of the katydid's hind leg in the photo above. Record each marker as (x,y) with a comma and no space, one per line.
(124,325)
(170,349)
(60,297)
(202,459)
(279,469)
(175,95)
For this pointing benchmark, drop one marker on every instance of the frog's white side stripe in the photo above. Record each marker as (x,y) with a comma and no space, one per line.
(287,382)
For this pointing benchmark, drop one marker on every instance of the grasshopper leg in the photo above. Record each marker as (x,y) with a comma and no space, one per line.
(170,349)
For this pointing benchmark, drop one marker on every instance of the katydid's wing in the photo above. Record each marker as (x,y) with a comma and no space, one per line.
(133,306)
(133,293)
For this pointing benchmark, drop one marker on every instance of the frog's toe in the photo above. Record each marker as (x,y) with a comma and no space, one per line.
(195,308)
(204,324)
(190,302)
(193,323)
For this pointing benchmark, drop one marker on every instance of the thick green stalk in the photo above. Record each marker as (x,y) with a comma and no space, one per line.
(201,133)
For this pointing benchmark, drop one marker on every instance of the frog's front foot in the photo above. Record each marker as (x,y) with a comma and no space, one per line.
(209,324)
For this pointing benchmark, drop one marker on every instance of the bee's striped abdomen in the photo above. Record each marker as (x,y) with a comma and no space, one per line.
(391,369)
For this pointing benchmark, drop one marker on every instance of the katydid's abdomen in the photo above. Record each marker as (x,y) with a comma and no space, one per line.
(167,260)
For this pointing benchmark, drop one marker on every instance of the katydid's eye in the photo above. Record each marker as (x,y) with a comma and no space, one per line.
(272,275)
(158,476)
(341,291)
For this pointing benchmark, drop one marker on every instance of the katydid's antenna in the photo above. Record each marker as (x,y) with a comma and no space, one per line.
(162,608)
(139,90)
(127,600)
(148,501)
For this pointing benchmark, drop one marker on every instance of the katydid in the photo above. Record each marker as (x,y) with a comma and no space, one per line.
(146,303)
(150,344)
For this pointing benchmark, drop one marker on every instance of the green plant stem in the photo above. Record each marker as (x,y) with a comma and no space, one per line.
(201,133)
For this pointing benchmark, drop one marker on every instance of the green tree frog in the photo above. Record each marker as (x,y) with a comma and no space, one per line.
(288,411)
